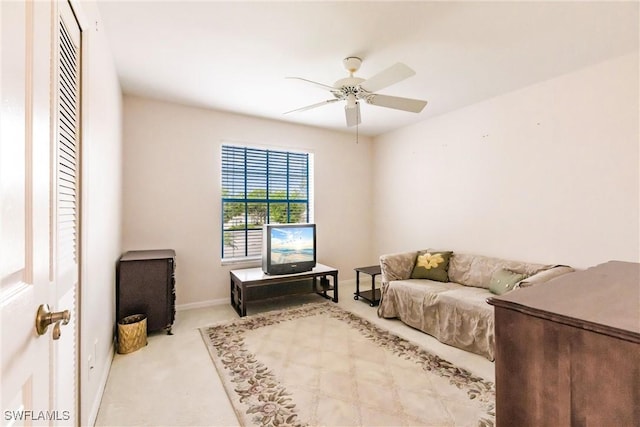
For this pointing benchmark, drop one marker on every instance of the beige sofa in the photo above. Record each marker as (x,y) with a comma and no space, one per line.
(454,311)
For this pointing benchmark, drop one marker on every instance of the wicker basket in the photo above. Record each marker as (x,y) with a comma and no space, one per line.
(132,333)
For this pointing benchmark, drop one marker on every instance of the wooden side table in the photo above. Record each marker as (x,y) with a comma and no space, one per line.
(373,296)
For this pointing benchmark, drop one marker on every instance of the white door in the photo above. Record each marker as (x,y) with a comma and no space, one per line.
(38,214)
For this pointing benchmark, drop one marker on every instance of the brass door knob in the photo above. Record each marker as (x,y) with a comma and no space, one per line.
(44,318)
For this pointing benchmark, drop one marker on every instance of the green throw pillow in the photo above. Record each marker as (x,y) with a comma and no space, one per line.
(504,280)
(432,265)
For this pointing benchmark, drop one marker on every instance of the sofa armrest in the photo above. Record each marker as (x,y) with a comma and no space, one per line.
(397,266)
(545,275)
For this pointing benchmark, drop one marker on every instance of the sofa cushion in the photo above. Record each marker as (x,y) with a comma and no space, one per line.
(432,265)
(416,289)
(504,280)
(410,299)
(460,268)
(476,270)
(466,321)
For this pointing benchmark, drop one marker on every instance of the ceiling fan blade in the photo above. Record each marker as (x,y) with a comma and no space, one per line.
(353,115)
(398,103)
(323,86)
(309,107)
(391,75)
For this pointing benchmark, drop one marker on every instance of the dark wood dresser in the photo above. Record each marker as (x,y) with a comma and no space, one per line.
(568,351)
(145,284)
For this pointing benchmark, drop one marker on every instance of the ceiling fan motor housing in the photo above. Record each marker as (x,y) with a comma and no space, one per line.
(350,86)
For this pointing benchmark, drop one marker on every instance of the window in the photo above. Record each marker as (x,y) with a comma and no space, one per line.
(261,187)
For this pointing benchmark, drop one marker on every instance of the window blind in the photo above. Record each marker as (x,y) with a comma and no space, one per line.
(261,187)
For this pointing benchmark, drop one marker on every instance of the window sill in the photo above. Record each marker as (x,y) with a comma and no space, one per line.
(242,262)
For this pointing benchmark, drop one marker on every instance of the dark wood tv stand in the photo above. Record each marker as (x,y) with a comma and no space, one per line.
(246,279)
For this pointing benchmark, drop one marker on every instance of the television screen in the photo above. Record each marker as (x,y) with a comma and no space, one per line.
(288,248)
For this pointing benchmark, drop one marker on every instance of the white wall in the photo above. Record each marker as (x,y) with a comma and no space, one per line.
(172,189)
(101,207)
(549,173)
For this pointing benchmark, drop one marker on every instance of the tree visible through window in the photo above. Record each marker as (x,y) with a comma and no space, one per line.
(261,187)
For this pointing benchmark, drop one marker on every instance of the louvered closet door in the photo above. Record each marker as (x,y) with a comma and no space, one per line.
(67,204)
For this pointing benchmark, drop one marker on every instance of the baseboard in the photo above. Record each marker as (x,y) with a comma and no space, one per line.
(93,414)
(352,282)
(202,304)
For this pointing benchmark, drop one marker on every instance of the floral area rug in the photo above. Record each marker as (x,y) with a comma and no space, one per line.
(318,364)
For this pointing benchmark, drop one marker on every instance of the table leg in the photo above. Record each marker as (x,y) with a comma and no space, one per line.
(357,295)
(237,297)
(335,287)
(243,303)
(373,290)
(324,283)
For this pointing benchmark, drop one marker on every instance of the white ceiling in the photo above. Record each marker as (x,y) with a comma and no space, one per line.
(234,56)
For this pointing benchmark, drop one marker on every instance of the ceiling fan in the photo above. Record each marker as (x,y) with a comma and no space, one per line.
(355,89)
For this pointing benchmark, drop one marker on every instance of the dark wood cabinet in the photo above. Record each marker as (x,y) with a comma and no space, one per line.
(145,284)
(568,351)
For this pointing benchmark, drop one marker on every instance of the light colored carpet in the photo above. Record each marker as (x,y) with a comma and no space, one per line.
(321,365)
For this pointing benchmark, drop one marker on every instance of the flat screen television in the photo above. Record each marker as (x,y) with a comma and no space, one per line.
(288,248)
